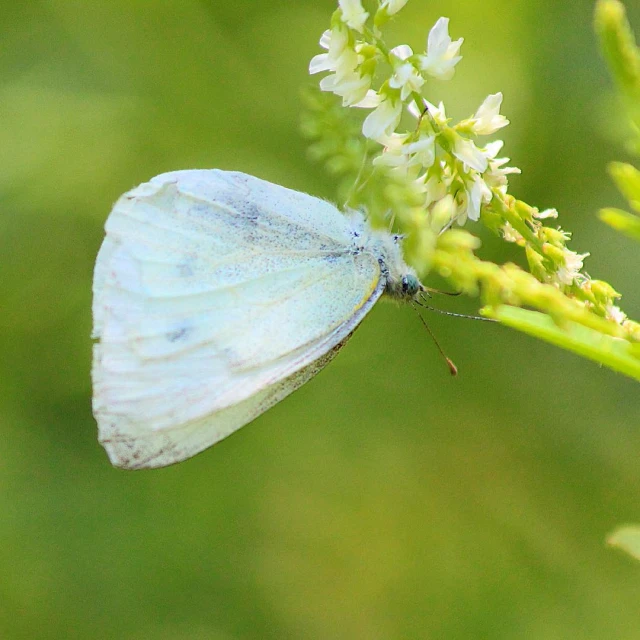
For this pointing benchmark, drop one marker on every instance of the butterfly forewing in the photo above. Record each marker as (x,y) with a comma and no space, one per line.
(211,291)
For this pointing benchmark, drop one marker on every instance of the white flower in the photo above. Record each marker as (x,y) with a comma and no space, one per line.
(402,51)
(488,119)
(350,86)
(437,113)
(393,154)
(435,189)
(570,270)
(493,149)
(615,314)
(477,194)
(422,151)
(443,212)
(383,120)
(547,213)
(510,234)
(406,78)
(442,54)
(393,6)
(371,100)
(400,154)
(469,154)
(496,174)
(353,14)
(335,42)
(346,81)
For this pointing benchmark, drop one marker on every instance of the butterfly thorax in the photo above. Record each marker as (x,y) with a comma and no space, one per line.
(401,281)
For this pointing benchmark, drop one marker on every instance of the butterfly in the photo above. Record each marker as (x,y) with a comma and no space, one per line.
(215,295)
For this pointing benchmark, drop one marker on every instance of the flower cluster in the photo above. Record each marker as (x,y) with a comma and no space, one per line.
(439,158)
(436,173)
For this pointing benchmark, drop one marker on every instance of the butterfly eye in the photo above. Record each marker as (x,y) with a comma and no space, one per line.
(410,285)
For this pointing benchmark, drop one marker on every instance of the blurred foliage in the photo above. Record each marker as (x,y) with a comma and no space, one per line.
(618,44)
(623,56)
(628,539)
(382,500)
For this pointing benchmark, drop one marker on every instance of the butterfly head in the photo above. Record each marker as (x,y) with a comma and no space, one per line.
(404,287)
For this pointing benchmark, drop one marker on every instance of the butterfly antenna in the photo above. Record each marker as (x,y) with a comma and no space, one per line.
(429,290)
(451,313)
(452,367)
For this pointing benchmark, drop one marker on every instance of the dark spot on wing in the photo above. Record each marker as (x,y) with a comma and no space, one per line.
(184,270)
(178,334)
(250,211)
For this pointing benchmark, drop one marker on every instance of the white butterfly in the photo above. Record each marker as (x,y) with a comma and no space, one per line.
(216,295)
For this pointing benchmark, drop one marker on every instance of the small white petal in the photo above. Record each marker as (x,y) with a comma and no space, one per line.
(547,213)
(338,56)
(438,39)
(437,113)
(488,119)
(496,175)
(414,110)
(353,14)
(468,153)
(435,190)
(393,6)
(473,206)
(347,62)
(407,79)
(477,194)
(510,234)
(328,83)
(383,120)
(338,42)
(493,148)
(422,151)
(510,170)
(350,86)
(568,272)
(353,89)
(442,54)
(320,63)
(402,51)
(389,160)
(615,314)
(371,100)
(325,39)
(398,153)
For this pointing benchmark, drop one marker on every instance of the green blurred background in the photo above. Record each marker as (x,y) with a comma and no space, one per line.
(384,499)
